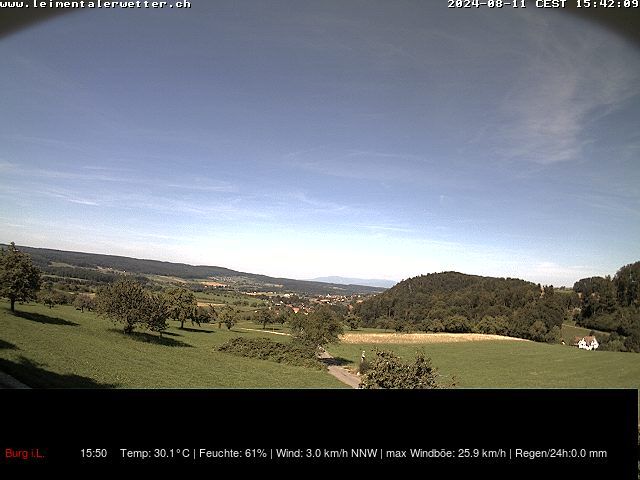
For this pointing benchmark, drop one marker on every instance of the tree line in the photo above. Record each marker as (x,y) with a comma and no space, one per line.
(612,305)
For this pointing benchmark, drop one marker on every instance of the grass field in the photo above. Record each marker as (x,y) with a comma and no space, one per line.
(62,347)
(569,332)
(514,364)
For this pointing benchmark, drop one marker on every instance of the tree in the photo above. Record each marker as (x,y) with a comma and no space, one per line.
(182,306)
(538,331)
(156,312)
(124,301)
(627,282)
(205,314)
(388,371)
(352,321)
(83,301)
(264,317)
(319,328)
(230,321)
(46,297)
(227,316)
(19,278)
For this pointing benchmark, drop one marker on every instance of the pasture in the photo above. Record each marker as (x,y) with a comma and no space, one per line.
(511,364)
(62,347)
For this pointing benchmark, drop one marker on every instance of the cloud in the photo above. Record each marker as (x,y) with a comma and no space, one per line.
(357,163)
(570,80)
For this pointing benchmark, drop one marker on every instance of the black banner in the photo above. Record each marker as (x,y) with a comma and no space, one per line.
(481,431)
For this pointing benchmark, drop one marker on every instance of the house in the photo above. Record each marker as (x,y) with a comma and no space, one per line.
(586,343)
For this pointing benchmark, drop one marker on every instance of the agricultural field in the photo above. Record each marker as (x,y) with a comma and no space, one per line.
(62,347)
(238,301)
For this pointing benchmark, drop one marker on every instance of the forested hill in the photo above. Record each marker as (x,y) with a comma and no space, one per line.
(59,261)
(455,302)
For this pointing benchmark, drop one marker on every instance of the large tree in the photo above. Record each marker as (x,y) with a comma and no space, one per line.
(627,282)
(19,278)
(183,305)
(156,312)
(264,317)
(124,301)
(319,328)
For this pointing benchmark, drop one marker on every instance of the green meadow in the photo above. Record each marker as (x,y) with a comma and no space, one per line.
(63,347)
(514,364)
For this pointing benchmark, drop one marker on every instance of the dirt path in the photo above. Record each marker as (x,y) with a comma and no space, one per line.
(265,331)
(341,373)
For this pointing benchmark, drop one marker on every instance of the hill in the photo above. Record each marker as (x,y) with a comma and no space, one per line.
(457,303)
(58,262)
(371,282)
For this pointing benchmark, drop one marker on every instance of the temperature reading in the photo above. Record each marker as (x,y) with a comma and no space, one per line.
(171,452)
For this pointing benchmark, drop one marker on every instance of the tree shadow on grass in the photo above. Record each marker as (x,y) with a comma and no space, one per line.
(38,317)
(32,374)
(146,337)
(171,334)
(7,346)
(196,330)
(339,361)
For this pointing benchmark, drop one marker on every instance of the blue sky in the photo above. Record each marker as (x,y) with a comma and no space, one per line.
(368,139)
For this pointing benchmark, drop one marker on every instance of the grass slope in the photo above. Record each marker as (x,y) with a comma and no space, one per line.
(62,347)
(569,332)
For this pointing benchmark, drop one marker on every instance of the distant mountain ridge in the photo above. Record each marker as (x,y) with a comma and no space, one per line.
(43,258)
(371,282)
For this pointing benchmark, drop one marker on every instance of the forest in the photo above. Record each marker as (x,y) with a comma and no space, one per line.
(456,302)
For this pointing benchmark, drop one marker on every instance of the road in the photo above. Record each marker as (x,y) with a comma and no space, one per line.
(341,373)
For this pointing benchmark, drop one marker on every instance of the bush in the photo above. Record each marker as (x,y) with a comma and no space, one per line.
(615,345)
(265,349)
(434,326)
(632,342)
(388,371)
(457,324)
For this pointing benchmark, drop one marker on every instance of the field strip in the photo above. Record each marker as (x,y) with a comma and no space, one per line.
(265,331)
(423,338)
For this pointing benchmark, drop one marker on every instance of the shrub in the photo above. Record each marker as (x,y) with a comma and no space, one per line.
(265,349)
(388,371)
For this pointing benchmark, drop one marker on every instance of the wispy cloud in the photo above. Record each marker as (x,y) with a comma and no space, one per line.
(91,173)
(357,164)
(72,198)
(387,228)
(559,94)
(318,205)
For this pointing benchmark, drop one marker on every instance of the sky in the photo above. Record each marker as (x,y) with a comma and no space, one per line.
(370,139)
